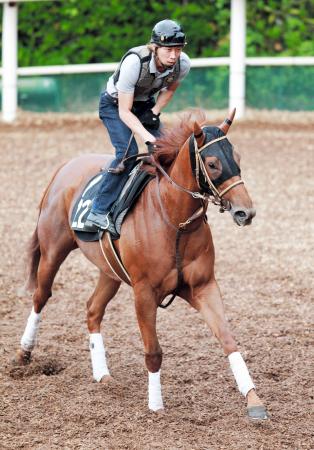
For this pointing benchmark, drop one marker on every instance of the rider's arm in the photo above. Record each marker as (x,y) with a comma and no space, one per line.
(164,97)
(129,73)
(166,94)
(126,115)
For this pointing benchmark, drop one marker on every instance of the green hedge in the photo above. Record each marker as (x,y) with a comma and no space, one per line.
(84,31)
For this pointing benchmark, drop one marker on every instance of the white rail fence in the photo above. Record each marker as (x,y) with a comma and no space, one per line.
(197,62)
(235,100)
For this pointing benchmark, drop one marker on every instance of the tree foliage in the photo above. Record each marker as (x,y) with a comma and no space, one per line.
(81,31)
(280,28)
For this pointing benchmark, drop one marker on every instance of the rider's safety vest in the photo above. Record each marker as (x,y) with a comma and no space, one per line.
(145,80)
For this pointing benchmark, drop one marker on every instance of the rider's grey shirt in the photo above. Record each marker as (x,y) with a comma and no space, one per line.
(130,70)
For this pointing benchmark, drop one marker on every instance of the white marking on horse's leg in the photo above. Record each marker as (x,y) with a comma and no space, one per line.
(28,339)
(241,373)
(154,391)
(98,356)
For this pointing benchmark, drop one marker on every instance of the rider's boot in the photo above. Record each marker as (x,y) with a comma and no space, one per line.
(96,221)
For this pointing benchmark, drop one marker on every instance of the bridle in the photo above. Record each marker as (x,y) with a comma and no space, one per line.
(214,196)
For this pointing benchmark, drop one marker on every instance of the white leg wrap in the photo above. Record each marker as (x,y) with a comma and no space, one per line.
(241,373)
(28,339)
(154,391)
(98,356)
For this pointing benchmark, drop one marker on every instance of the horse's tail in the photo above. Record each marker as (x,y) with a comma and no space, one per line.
(33,257)
(33,252)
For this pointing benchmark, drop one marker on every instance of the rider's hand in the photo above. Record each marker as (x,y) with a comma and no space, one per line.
(151,146)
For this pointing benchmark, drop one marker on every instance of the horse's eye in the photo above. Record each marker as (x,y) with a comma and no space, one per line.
(211,165)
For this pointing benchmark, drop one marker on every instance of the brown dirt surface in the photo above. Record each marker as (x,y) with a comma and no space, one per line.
(265,272)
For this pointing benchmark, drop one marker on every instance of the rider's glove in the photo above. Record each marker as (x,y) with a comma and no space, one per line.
(150,147)
(150,120)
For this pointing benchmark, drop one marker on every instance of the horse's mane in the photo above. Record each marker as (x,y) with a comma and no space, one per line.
(172,138)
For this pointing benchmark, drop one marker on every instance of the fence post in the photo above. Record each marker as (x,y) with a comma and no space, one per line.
(9,62)
(237,57)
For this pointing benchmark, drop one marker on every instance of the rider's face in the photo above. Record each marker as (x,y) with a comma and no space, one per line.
(168,56)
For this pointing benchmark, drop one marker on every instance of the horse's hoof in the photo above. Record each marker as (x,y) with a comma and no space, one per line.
(107,379)
(22,358)
(257,413)
(160,411)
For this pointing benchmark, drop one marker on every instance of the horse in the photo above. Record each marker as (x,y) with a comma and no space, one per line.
(194,164)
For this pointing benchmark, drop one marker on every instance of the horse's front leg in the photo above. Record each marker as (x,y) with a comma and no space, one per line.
(207,300)
(146,311)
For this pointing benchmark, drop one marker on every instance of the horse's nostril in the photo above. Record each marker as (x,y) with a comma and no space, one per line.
(241,214)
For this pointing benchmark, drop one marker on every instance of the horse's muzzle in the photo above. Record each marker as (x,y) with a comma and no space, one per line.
(242,216)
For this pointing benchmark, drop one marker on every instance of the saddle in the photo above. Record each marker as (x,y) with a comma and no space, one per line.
(137,181)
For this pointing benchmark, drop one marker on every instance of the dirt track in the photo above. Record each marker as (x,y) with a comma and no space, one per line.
(265,272)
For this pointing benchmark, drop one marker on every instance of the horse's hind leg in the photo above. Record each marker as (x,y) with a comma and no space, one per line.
(207,300)
(49,263)
(96,305)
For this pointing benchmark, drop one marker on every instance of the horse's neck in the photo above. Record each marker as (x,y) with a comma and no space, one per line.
(180,205)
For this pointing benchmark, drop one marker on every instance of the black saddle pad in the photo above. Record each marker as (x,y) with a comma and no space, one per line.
(135,184)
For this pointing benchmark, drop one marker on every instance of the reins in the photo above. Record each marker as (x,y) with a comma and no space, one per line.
(121,167)
(216,197)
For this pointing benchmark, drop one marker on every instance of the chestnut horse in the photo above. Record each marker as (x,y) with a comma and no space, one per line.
(166,230)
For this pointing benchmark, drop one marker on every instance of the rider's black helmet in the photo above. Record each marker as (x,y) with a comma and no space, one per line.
(168,33)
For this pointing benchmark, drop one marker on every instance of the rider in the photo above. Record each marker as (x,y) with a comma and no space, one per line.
(128,106)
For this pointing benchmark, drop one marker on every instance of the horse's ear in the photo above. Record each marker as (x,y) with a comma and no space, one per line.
(198,134)
(224,127)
